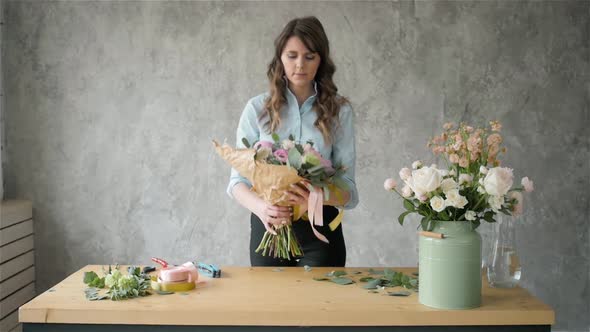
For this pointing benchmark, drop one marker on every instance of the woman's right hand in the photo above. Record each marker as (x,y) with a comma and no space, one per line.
(272,215)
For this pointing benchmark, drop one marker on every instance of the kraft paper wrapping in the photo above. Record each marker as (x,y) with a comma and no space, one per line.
(269,182)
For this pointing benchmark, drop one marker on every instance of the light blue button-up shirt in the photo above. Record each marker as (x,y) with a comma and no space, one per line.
(299,122)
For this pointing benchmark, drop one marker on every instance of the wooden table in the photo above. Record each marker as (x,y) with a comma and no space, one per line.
(267,299)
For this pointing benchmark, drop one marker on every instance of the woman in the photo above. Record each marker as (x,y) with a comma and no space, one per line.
(302,102)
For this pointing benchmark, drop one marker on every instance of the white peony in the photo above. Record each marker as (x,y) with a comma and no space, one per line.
(437,203)
(465,178)
(470,215)
(481,190)
(483,170)
(452,172)
(498,181)
(424,180)
(448,184)
(455,199)
(496,202)
(417,164)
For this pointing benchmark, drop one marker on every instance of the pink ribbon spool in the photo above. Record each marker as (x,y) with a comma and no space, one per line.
(185,272)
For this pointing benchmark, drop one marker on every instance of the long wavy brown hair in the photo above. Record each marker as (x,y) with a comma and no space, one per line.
(327,103)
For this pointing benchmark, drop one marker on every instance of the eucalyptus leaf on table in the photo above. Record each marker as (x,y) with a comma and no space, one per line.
(342,281)
(372,284)
(400,293)
(120,286)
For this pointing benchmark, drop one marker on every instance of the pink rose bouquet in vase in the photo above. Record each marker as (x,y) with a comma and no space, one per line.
(452,202)
(272,167)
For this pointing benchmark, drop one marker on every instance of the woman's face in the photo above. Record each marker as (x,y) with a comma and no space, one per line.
(300,63)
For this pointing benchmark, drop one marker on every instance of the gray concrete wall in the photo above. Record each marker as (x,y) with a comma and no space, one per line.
(111,106)
(2,132)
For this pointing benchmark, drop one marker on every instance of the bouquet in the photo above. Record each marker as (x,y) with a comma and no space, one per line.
(272,167)
(473,187)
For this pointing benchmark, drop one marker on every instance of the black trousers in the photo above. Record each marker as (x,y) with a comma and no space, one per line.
(315,252)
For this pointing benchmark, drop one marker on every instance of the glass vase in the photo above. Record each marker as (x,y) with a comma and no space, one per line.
(503,268)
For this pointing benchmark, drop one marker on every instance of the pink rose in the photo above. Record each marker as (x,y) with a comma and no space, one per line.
(282,155)
(263,144)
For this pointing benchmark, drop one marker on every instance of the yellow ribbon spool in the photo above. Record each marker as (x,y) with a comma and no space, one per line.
(173,286)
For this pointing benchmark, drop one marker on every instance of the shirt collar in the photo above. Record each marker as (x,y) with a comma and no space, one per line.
(291,96)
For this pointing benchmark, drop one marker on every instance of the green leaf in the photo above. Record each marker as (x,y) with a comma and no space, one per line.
(276,137)
(425,222)
(444,215)
(245,142)
(342,281)
(409,205)
(366,279)
(320,279)
(400,293)
(291,137)
(339,273)
(388,273)
(489,216)
(299,148)
(98,282)
(402,216)
(294,159)
(371,271)
(132,270)
(336,274)
(89,277)
(372,284)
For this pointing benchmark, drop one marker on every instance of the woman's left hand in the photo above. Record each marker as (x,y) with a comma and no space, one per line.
(298,194)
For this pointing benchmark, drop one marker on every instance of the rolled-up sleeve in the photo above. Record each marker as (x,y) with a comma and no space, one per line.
(247,128)
(344,152)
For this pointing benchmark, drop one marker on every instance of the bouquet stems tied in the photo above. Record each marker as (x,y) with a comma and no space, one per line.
(284,245)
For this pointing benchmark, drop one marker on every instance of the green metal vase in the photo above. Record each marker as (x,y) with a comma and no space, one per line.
(450,268)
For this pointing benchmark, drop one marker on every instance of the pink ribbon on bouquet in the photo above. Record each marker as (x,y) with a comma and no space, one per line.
(315,209)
